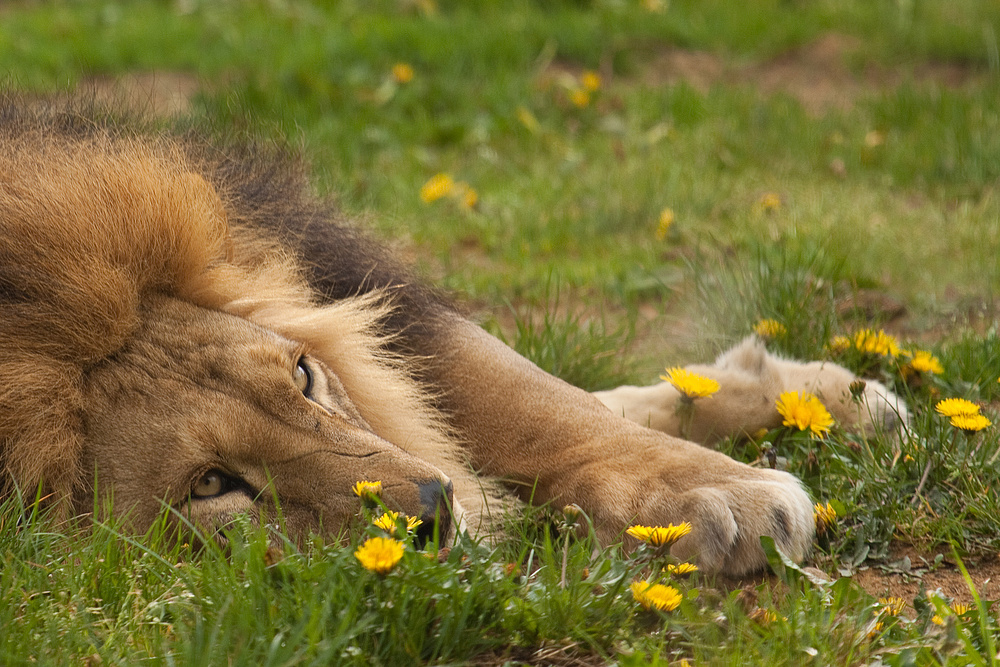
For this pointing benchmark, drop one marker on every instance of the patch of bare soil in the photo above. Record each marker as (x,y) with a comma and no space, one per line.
(910,570)
(159,93)
(551,656)
(820,75)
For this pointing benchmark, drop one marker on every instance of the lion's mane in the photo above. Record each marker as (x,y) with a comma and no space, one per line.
(94,219)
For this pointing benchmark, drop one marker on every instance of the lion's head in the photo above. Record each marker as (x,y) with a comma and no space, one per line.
(156,348)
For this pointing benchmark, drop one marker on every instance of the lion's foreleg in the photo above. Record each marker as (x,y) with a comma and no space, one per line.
(556,443)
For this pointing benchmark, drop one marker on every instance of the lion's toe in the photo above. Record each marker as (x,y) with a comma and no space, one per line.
(729,519)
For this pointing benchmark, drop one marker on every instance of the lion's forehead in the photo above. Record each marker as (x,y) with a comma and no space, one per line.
(179,343)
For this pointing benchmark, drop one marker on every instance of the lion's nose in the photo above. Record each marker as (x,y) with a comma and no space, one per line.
(436,498)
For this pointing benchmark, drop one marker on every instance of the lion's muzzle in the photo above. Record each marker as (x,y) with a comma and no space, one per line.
(437,499)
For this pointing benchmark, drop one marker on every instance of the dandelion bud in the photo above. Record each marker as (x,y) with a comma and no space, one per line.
(857,388)
(572,512)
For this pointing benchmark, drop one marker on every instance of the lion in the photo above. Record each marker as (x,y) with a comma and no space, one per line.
(187,326)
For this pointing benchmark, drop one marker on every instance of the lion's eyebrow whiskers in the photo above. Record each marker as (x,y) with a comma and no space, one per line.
(300,350)
(320,451)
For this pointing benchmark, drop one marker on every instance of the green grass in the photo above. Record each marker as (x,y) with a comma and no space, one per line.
(72,596)
(893,194)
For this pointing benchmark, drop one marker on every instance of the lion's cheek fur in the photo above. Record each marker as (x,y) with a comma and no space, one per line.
(196,391)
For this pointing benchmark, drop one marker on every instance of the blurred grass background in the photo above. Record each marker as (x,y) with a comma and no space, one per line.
(873,125)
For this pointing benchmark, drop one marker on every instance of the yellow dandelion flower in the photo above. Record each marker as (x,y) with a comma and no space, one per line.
(876,630)
(655,596)
(970,423)
(470,199)
(769,202)
(805,412)
(770,329)
(465,194)
(953,407)
(960,608)
(840,343)
(663,225)
(580,98)
(876,342)
(367,489)
(440,185)
(659,536)
(690,384)
(764,616)
(389,520)
(402,72)
(925,362)
(874,138)
(528,120)
(937,620)
(591,81)
(857,388)
(892,606)
(824,516)
(427,7)
(380,554)
(681,569)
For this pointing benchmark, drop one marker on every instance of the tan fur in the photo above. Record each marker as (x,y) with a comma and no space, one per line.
(109,225)
(152,330)
(751,380)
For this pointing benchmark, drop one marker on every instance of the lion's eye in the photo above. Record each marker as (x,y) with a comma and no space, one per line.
(209,485)
(302,377)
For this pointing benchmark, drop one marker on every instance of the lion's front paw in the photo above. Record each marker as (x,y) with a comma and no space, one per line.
(729,517)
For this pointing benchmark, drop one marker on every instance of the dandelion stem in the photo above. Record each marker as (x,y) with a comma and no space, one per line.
(923,480)
(685,411)
(565,558)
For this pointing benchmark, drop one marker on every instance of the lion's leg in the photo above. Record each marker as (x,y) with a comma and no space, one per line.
(751,380)
(559,444)
(556,442)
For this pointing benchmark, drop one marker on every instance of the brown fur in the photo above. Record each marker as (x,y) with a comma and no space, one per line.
(157,295)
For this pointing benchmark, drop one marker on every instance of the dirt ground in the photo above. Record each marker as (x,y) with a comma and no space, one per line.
(822,75)
(889,578)
(161,93)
